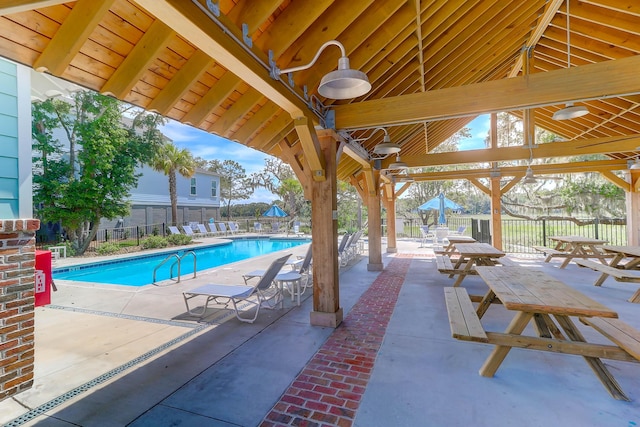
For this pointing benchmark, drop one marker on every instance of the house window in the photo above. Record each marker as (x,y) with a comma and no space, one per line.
(193,186)
(214,189)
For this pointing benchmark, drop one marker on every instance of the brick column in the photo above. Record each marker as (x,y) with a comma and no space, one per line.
(17,301)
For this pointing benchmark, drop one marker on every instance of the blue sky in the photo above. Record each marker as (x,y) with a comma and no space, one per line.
(479,129)
(209,147)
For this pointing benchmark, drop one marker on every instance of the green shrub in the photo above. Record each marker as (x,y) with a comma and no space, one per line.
(178,239)
(154,242)
(107,249)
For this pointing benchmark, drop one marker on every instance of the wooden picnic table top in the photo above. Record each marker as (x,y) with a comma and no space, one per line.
(532,290)
(578,240)
(475,250)
(629,251)
(460,239)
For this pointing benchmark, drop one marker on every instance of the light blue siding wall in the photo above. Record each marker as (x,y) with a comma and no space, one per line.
(9,147)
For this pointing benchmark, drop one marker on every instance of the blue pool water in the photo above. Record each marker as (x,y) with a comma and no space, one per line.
(138,271)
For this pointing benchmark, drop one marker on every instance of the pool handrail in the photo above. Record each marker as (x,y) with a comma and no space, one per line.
(178,261)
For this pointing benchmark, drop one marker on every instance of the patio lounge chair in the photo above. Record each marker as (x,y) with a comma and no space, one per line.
(426,235)
(275,227)
(264,292)
(223,228)
(351,249)
(343,245)
(459,232)
(233,227)
(257,227)
(203,230)
(188,230)
(174,230)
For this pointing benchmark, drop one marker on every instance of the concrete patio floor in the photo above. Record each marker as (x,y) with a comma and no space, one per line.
(107,356)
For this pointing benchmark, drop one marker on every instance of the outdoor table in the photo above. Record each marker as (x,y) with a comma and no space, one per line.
(534,295)
(570,247)
(631,253)
(453,240)
(473,254)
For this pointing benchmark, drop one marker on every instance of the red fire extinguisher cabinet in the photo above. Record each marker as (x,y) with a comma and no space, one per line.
(43,278)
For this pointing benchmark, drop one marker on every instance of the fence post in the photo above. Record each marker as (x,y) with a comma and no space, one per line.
(544,232)
(595,226)
(138,234)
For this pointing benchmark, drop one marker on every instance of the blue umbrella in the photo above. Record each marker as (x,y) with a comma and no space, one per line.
(275,211)
(440,203)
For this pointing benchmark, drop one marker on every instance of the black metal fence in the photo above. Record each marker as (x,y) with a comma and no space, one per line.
(519,235)
(127,235)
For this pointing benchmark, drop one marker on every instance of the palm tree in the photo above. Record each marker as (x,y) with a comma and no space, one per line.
(170,159)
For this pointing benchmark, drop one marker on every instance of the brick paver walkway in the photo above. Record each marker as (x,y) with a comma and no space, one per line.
(328,391)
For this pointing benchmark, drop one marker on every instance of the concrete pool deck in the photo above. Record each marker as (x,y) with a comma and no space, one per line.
(108,357)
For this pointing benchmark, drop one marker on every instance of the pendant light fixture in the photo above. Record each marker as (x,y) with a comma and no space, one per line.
(570,111)
(343,83)
(529,178)
(386,146)
(398,164)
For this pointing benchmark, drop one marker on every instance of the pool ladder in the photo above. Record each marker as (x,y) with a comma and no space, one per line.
(177,261)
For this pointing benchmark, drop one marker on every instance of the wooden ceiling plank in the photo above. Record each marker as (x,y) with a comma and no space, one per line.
(220,91)
(248,130)
(592,81)
(137,61)
(253,14)
(236,112)
(70,37)
(187,19)
(9,7)
(192,70)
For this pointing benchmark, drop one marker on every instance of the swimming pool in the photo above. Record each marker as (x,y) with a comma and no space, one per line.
(138,271)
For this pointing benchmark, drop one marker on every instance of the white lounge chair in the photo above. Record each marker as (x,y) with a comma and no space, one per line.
(257,227)
(426,235)
(264,292)
(223,228)
(351,250)
(174,230)
(233,227)
(459,232)
(203,230)
(188,230)
(275,227)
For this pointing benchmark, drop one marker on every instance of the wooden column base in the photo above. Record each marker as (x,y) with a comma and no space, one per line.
(375,267)
(392,250)
(331,320)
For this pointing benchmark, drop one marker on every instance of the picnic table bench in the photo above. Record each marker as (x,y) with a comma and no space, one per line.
(619,274)
(571,247)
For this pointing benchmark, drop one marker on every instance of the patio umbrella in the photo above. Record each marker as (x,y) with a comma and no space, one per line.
(275,212)
(440,203)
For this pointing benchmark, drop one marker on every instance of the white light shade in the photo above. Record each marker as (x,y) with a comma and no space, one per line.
(529,178)
(570,112)
(344,83)
(398,164)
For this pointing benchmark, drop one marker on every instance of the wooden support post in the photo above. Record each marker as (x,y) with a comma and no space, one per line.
(324,222)
(496,213)
(375,221)
(390,206)
(633,208)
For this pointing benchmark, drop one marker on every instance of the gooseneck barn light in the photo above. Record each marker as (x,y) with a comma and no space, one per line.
(343,83)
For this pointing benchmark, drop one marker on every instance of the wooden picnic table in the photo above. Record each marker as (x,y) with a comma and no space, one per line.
(453,240)
(626,271)
(534,295)
(570,247)
(473,254)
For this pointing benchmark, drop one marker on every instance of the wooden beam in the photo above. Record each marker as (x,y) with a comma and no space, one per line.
(545,169)
(71,36)
(310,146)
(181,82)
(8,7)
(190,20)
(137,61)
(480,186)
(615,179)
(594,81)
(614,144)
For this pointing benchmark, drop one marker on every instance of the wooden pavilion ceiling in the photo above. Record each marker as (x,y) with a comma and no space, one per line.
(434,65)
